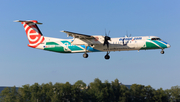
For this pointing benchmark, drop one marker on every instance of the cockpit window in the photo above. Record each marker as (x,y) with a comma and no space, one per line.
(155,39)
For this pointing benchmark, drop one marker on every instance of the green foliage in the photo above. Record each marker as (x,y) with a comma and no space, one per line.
(96,91)
(10,95)
(137,93)
(160,96)
(124,95)
(175,93)
(80,84)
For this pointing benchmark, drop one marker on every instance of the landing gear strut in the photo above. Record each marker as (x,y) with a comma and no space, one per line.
(107,55)
(162,52)
(85,55)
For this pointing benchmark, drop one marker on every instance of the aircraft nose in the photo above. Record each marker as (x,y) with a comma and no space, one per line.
(168,46)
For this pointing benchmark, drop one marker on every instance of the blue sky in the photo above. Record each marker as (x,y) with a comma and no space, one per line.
(22,65)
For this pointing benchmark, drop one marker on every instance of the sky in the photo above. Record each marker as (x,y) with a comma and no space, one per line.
(21,65)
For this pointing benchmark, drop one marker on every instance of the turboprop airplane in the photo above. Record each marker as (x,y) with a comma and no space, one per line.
(82,43)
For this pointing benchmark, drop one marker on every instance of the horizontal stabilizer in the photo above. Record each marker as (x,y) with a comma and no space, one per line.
(28,21)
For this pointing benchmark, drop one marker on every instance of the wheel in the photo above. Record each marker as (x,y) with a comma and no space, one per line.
(85,55)
(106,56)
(162,52)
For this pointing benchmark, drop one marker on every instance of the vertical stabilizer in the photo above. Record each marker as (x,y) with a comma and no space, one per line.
(33,33)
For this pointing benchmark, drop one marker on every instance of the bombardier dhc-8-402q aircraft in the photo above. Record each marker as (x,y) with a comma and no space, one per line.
(82,43)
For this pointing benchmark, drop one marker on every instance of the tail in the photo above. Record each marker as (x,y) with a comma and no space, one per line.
(33,33)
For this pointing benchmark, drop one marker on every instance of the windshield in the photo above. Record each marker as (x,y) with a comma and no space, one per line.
(155,39)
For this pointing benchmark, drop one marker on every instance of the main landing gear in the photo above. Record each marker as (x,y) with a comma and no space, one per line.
(107,55)
(162,52)
(85,55)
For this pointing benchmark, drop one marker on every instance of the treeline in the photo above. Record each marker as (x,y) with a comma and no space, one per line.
(95,92)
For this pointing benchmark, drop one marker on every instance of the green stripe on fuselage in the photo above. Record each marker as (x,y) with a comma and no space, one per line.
(71,47)
(150,45)
(52,46)
(160,44)
(51,43)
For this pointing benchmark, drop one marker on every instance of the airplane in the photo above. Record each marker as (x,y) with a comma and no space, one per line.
(82,43)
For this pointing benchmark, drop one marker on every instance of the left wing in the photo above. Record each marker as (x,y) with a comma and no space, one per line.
(82,39)
(77,35)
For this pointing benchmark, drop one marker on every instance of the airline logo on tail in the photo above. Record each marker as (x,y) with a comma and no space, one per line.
(33,33)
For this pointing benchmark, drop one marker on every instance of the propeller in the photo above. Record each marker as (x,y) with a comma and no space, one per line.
(127,35)
(106,38)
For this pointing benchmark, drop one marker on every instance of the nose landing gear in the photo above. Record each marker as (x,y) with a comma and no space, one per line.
(162,52)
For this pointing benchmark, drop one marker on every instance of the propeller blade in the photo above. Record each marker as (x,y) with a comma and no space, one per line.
(106,38)
(108,33)
(105,33)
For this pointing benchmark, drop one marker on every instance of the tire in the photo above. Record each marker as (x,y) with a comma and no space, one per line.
(162,52)
(107,57)
(85,55)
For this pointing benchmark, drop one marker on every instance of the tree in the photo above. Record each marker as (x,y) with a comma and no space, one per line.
(80,84)
(47,92)
(149,93)
(67,92)
(108,92)
(160,96)
(59,91)
(138,93)
(124,95)
(36,95)
(95,90)
(25,93)
(10,95)
(175,93)
(116,90)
